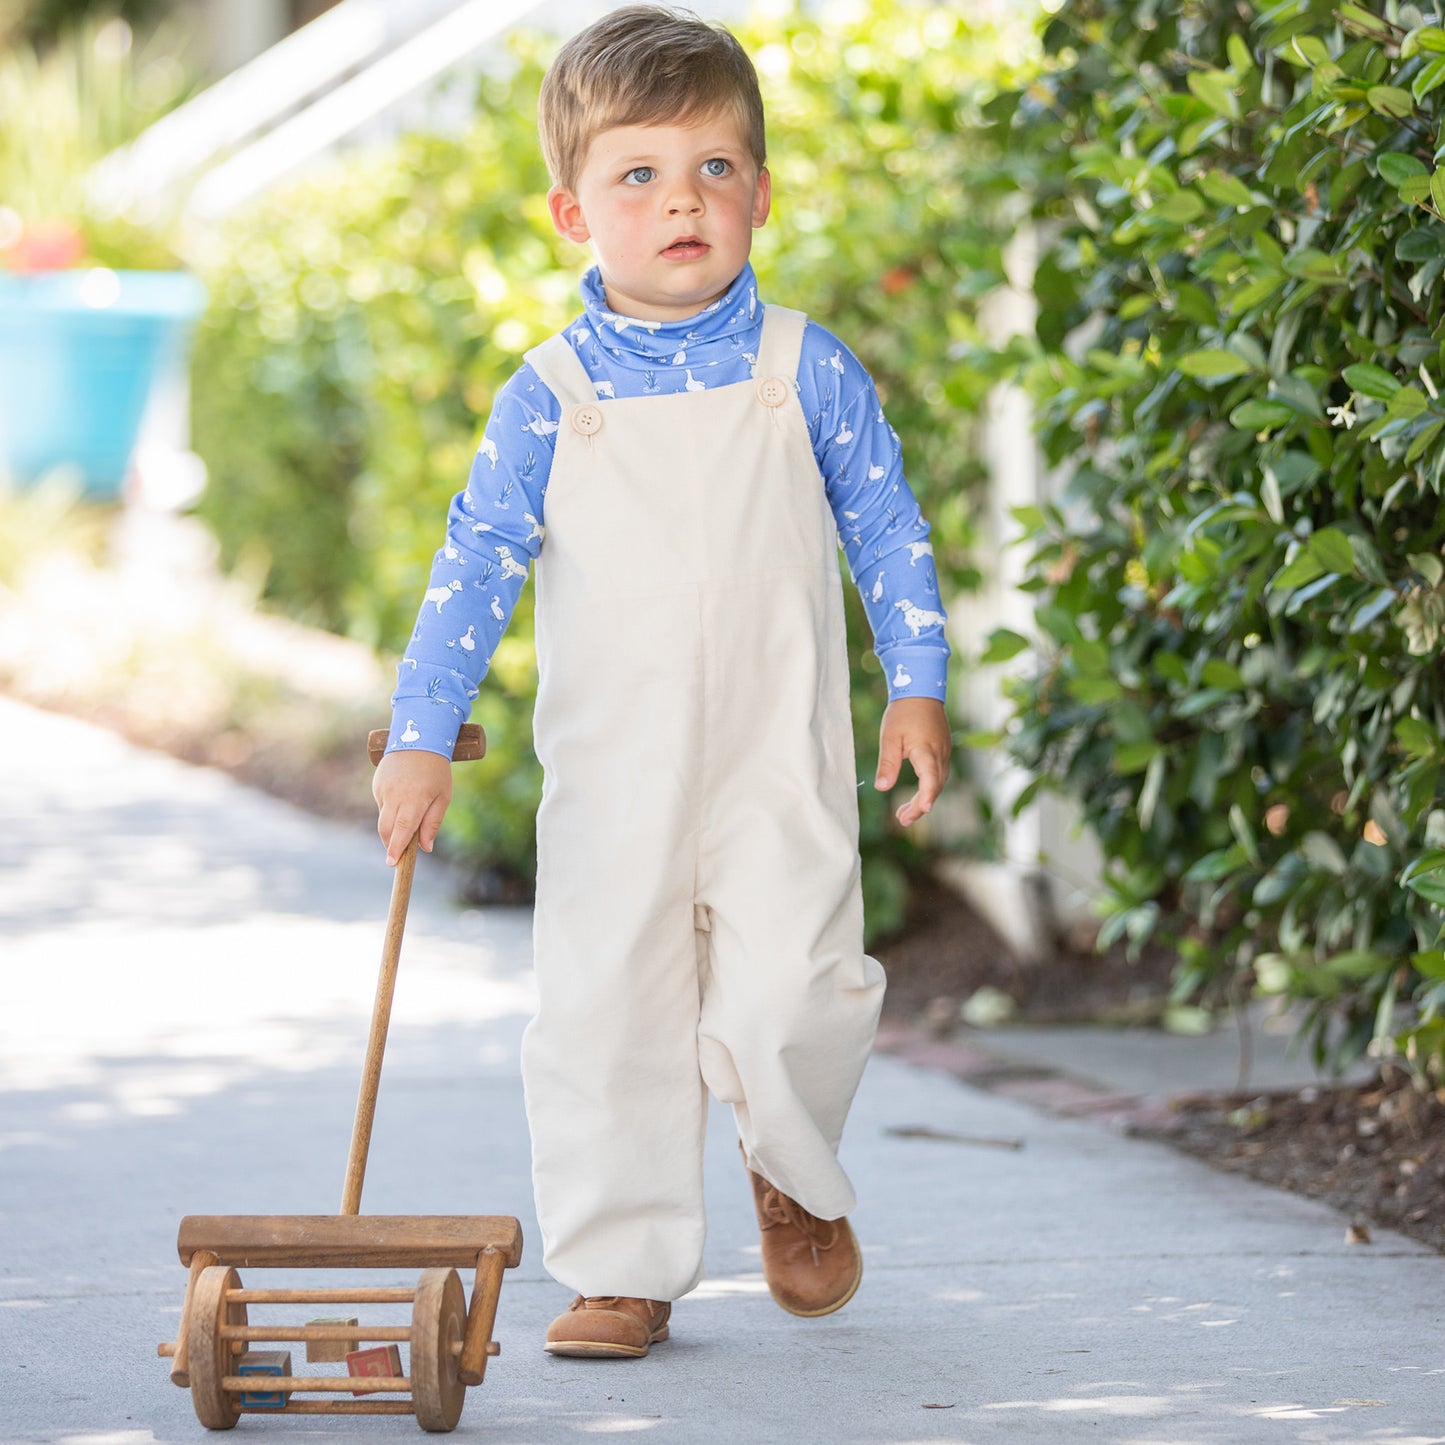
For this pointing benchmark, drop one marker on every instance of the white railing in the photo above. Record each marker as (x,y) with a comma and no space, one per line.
(295,100)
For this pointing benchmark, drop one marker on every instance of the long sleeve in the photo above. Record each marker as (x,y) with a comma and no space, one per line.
(494,531)
(884,534)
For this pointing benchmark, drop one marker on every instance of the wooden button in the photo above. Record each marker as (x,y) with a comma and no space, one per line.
(773,391)
(587,420)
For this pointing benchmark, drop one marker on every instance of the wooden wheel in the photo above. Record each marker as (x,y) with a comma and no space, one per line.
(211,1357)
(438,1321)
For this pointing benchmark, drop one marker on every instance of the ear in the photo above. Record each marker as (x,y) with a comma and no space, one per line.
(567,215)
(762,197)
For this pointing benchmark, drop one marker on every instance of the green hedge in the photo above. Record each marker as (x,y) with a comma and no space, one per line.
(1240,362)
(362,323)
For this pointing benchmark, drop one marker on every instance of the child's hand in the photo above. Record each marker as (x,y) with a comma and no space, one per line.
(915,728)
(412,791)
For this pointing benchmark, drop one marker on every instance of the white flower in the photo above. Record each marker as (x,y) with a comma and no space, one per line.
(1342,415)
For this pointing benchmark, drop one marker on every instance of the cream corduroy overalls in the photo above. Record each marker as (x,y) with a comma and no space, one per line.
(699,921)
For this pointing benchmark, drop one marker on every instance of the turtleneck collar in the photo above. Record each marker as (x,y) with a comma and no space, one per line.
(624,337)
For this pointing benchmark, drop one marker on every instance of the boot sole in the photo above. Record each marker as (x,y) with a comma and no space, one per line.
(598,1350)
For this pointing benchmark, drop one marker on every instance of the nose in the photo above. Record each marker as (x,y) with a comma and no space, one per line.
(684,198)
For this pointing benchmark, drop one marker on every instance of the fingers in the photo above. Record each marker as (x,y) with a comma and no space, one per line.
(932,772)
(890,759)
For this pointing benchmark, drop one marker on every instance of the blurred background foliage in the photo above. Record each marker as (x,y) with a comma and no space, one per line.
(361,324)
(1238,364)
(64,105)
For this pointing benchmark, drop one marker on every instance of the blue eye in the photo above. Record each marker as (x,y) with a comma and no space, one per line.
(715,167)
(639,176)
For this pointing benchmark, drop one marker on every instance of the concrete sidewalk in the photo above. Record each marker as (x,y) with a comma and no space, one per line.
(187,971)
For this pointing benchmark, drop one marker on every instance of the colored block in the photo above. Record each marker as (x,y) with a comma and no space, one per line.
(329,1352)
(265,1362)
(379,1362)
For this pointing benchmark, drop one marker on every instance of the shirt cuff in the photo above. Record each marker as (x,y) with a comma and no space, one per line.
(424,725)
(915,671)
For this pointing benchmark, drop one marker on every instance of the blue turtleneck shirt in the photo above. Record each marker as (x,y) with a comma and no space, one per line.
(496,526)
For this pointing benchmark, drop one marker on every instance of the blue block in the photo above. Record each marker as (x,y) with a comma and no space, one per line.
(265,1362)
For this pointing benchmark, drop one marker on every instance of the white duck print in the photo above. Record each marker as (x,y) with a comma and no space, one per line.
(605,388)
(488,449)
(483,527)
(467,642)
(442,595)
(541,427)
(876,474)
(510,566)
(497,609)
(835,361)
(877,593)
(692,385)
(411,735)
(680,359)
(844,436)
(901,677)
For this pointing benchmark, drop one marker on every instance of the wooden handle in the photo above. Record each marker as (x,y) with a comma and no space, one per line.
(376,1041)
(471,744)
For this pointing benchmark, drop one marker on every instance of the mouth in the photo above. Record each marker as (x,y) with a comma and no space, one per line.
(686,248)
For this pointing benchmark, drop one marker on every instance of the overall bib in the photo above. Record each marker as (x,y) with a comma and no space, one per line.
(699,921)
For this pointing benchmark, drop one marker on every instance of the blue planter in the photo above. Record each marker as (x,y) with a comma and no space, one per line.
(79,353)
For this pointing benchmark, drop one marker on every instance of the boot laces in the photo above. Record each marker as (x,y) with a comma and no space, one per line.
(778,1208)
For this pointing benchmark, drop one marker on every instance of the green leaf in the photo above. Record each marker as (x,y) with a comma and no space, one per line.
(1180,208)
(1422,443)
(1422,243)
(1149,793)
(1031,519)
(1228,190)
(1429,566)
(1358,963)
(1390,100)
(1371,381)
(1415,190)
(1310,49)
(1417,738)
(1002,645)
(1430,963)
(1396,167)
(1322,852)
(1408,402)
(1254,416)
(1213,362)
(1218,673)
(1240,59)
(1331,548)
(1216,89)
(1437,190)
(1430,78)
(1134,757)
(1431,38)
(1305,567)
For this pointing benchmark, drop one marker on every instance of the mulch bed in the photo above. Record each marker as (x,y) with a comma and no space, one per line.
(1376,1151)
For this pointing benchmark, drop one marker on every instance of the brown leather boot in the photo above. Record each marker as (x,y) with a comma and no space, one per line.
(608,1327)
(813,1266)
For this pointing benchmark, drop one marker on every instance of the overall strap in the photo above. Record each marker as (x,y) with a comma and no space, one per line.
(782,343)
(562,372)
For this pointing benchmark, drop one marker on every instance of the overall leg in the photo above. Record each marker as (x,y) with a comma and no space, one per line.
(614,1097)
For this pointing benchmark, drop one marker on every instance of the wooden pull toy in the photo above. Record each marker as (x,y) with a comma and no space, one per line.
(448,1340)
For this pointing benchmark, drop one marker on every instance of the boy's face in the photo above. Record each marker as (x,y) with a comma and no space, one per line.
(669,210)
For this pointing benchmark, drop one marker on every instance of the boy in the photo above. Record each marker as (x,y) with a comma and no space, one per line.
(698,919)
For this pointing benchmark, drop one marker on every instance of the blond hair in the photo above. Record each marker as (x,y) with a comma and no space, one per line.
(643,65)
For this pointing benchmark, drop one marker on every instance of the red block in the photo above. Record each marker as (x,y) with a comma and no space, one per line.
(379,1362)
